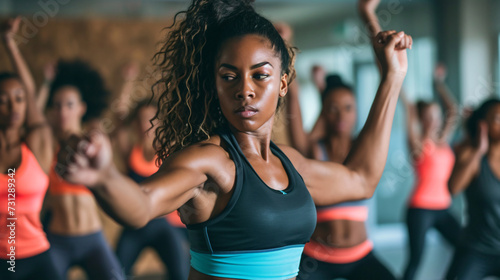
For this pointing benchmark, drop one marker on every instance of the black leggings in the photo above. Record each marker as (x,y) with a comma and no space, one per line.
(169,242)
(368,267)
(90,251)
(419,221)
(469,264)
(40,267)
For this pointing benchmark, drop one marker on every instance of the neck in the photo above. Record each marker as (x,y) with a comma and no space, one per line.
(9,137)
(431,134)
(343,139)
(64,134)
(147,142)
(255,143)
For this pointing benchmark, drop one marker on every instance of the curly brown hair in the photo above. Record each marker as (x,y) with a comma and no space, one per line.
(188,108)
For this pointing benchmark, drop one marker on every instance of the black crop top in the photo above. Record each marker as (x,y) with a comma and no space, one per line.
(256,216)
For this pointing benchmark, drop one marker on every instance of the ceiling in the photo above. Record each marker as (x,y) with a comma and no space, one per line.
(295,12)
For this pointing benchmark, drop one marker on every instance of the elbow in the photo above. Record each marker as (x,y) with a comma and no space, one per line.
(369,187)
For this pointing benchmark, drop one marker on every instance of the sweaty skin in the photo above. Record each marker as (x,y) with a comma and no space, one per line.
(199,179)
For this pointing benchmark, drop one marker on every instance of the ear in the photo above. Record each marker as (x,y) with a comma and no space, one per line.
(83,108)
(284,85)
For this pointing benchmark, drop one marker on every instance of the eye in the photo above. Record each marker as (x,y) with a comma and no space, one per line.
(261,76)
(228,77)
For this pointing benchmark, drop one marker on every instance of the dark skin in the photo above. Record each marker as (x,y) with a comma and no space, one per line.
(199,179)
(18,109)
(339,116)
(469,156)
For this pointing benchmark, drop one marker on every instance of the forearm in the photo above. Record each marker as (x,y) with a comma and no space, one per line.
(463,172)
(411,125)
(123,199)
(450,106)
(298,137)
(318,130)
(371,22)
(42,97)
(33,115)
(19,64)
(369,153)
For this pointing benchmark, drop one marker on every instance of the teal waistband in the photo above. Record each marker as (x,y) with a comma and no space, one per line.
(273,264)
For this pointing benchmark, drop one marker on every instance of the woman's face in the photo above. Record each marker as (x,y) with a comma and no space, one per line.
(12,103)
(339,109)
(431,118)
(249,82)
(493,122)
(144,114)
(68,109)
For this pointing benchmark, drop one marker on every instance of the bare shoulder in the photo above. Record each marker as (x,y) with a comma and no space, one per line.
(297,159)
(206,156)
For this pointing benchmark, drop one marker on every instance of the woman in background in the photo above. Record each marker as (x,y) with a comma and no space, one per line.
(167,240)
(339,246)
(25,158)
(77,96)
(433,161)
(477,173)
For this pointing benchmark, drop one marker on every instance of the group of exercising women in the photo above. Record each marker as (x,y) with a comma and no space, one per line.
(201,165)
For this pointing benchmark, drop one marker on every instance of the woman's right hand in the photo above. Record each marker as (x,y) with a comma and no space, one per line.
(85,160)
(390,49)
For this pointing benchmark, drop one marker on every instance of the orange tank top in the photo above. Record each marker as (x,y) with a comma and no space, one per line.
(139,167)
(58,186)
(432,172)
(21,233)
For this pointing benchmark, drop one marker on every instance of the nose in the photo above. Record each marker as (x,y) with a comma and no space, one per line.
(245,89)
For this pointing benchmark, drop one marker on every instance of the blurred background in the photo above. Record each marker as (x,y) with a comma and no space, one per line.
(463,34)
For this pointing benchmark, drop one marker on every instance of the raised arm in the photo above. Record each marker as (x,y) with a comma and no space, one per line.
(38,134)
(298,137)
(468,162)
(367,10)
(412,132)
(10,29)
(450,106)
(49,72)
(332,183)
(181,177)
(319,78)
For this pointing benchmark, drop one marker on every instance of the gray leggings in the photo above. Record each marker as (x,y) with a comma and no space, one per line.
(91,252)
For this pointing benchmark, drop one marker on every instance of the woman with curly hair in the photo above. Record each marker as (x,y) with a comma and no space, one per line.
(25,158)
(476,173)
(77,95)
(248,211)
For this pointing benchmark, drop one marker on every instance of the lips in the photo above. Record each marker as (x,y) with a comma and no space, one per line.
(246,111)
(14,117)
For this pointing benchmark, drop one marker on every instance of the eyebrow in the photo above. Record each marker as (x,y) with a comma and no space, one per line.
(251,67)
